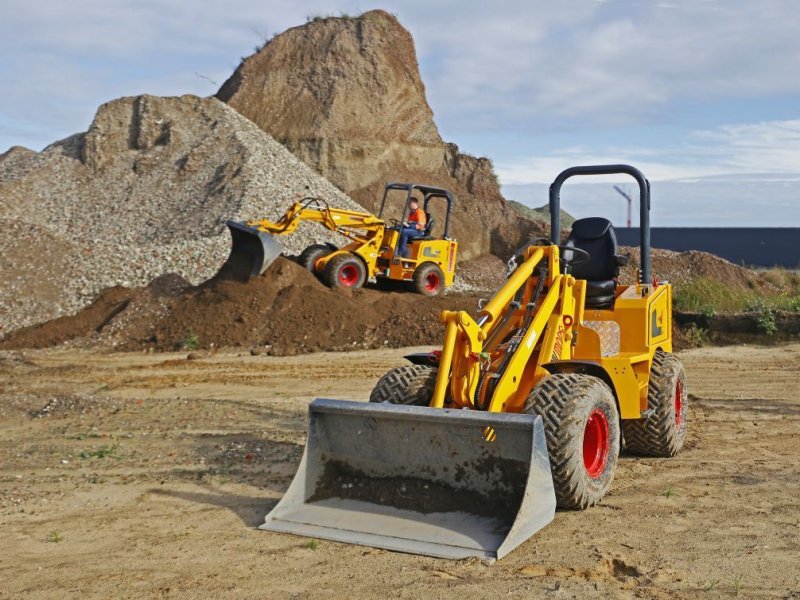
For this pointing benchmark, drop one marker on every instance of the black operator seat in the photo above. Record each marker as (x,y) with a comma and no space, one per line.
(596,236)
(429,223)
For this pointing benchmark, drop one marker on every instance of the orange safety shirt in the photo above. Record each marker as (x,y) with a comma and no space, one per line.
(418,216)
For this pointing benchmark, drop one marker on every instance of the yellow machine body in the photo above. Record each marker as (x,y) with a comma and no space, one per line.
(615,344)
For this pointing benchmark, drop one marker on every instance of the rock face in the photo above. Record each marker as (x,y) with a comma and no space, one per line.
(146,191)
(345,95)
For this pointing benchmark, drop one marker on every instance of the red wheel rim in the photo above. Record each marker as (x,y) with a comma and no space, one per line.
(596,443)
(348,275)
(431,282)
(678,403)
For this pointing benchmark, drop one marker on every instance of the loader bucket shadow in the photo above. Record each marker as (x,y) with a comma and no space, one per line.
(419,480)
(248,509)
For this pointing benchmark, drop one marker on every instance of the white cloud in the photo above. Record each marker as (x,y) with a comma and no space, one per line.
(514,65)
(730,150)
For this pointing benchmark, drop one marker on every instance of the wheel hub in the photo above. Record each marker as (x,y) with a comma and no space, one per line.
(678,404)
(348,275)
(596,443)
(431,282)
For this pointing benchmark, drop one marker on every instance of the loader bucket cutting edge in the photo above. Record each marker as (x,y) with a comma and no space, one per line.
(252,251)
(419,480)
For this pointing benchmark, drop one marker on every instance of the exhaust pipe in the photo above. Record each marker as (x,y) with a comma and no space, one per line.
(252,251)
(421,480)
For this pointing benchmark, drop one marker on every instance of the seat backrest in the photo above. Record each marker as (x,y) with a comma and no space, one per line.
(596,236)
(431,221)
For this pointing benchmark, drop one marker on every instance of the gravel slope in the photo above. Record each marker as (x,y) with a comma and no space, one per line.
(144,192)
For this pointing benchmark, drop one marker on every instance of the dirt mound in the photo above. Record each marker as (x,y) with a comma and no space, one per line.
(345,95)
(683,267)
(289,311)
(144,192)
(286,311)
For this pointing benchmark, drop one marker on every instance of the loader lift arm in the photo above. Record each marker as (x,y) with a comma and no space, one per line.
(486,364)
(357,226)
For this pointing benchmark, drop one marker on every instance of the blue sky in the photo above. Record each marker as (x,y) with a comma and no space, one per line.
(688,90)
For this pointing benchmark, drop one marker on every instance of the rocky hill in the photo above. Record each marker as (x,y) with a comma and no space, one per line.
(345,95)
(144,192)
(542,213)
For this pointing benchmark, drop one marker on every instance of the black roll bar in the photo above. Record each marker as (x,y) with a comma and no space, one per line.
(644,206)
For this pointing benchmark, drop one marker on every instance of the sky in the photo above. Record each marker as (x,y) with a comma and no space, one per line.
(702,95)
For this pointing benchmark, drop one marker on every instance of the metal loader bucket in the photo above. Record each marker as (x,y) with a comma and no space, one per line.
(252,251)
(419,480)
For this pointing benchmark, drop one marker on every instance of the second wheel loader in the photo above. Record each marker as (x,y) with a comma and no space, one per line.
(468,450)
(429,267)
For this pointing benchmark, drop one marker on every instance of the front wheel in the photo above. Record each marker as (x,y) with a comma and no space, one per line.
(411,384)
(581,425)
(344,271)
(308,258)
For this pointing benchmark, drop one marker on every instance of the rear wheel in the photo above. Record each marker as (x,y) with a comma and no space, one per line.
(429,280)
(664,431)
(581,425)
(308,258)
(411,384)
(344,271)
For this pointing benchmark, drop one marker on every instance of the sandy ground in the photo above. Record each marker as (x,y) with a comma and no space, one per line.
(145,475)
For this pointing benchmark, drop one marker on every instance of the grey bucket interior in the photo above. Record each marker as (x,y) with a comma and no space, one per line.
(420,480)
(252,251)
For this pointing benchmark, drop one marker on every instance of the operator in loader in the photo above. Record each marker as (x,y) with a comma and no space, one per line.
(412,229)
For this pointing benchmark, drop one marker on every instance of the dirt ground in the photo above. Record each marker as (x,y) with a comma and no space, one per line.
(145,475)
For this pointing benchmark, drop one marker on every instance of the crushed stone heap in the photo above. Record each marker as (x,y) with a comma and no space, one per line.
(144,192)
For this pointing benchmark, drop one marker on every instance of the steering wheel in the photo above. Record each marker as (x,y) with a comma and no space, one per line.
(396,223)
(577,256)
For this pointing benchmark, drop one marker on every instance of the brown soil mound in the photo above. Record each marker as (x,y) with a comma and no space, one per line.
(286,311)
(682,267)
(289,311)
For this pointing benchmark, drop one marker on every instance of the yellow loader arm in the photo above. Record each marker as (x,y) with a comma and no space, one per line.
(487,364)
(349,223)
(254,246)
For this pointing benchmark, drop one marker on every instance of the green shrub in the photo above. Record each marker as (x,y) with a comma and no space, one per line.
(765,321)
(696,336)
(191,341)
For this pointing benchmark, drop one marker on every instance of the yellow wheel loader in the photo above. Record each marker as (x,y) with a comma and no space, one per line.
(372,251)
(468,450)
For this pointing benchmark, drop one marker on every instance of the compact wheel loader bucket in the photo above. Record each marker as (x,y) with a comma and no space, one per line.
(252,251)
(419,480)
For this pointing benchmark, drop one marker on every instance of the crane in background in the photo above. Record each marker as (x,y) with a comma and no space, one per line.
(627,196)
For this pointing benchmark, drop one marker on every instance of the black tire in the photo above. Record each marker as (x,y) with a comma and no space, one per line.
(579,413)
(411,384)
(664,431)
(428,280)
(309,257)
(344,271)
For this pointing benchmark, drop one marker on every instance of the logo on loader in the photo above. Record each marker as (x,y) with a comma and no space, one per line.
(656,323)
(431,253)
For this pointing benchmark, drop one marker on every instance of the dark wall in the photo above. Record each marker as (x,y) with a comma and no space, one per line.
(753,246)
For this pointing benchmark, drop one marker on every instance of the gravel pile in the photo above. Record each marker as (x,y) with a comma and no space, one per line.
(144,192)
